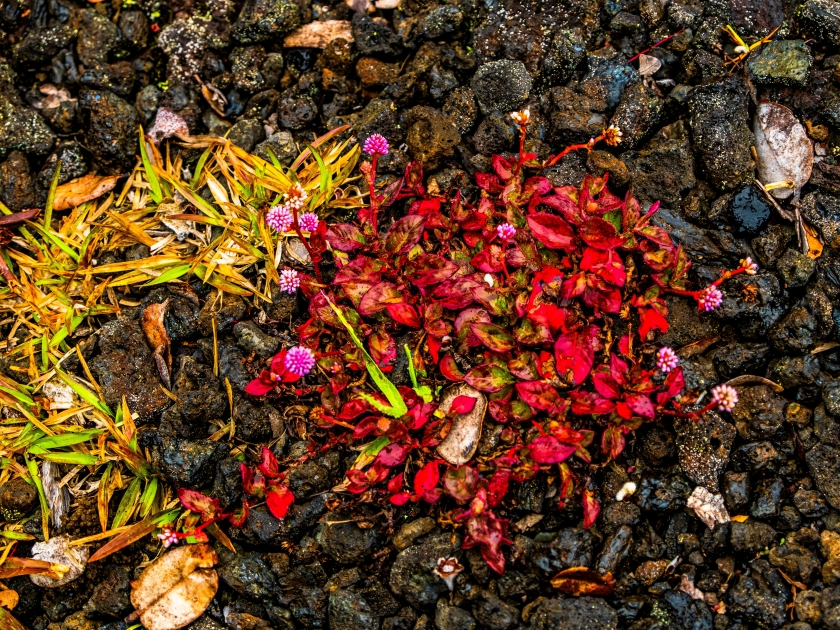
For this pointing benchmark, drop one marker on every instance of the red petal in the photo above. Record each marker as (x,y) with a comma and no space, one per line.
(463,404)
(591,508)
(549,450)
(279,498)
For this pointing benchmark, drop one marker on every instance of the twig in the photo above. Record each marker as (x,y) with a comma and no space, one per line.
(783,213)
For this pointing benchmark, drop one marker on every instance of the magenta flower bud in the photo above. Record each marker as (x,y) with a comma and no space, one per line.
(725,397)
(376,145)
(168,537)
(505,231)
(666,359)
(710,298)
(279,219)
(289,280)
(300,360)
(750,268)
(308,221)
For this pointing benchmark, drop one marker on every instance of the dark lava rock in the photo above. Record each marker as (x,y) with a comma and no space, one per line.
(231,365)
(570,547)
(246,573)
(281,145)
(663,169)
(494,135)
(412,574)
(616,548)
(822,210)
(372,38)
(658,445)
(824,466)
(125,367)
(638,113)
(735,359)
(16,187)
(432,136)
(110,596)
(17,498)
(97,36)
(461,107)
(794,371)
(767,496)
(200,394)
(502,85)
(750,210)
(251,339)
(493,613)
(246,133)
(822,17)
(752,598)
(110,129)
(265,20)
(41,44)
(576,613)
(23,129)
(134,30)
(73,164)
(349,611)
(664,494)
(608,76)
(704,448)
(751,536)
(795,332)
(759,413)
(378,116)
(452,617)
(772,243)
(262,528)
(565,52)
(227,484)
(719,121)
(344,541)
(297,112)
(574,117)
(677,609)
(783,61)
(184,463)
(254,423)
(736,489)
(809,503)
(796,268)
(798,562)
(433,23)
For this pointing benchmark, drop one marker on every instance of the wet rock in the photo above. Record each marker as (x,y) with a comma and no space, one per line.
(752,598)
(704,448)
(378,116)
(232,310)
(767,496)
(796,268)
(125,367)
(494,135)
(751,536)
(97,37)
(831,399)
(346,542)
(616,548)
(16,185)
(461,107)
(770,245)
(246,573)
(809,503)
(245,65)
(736,490)
(110,597)
(565,52)
(186,41)
(822,210)
(787,62)
(736,359)
(502,85)
(665,494)
(719,121)
(246,133)
(824,465)
(42,43)
(262,528)
(432,136)
(406,534)
(796,332)
(281,145)
(17,498)
(570,547)
(372,38)
(231,365)
(649,572)
(493,613)
(452,618)
(184,463)
(110,129)
(200,393)
(412,576)
(23,129)
(349,611)
(681,610)
(663,169)
(134,30)
(73,164)
(750,209)
(574,117)
(798,562)
(578,613)
(254,423)
(608,76)
(314,475)
(638,113)
(227,484)
(659,445)
(253,340)
(759,413)
(433,23)
(794,371)
(756,456)
(601,162)
(181,315)
(822,17)
(265,20)
(296,112)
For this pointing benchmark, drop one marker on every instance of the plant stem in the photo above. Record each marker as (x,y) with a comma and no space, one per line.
(308,248)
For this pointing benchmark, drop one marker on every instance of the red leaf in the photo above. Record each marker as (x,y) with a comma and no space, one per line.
(379,297)
(552,231)
(268,465)
(606,385)
(462,404)
(429,269)
(253,483)
(401,498)
(360,269)
(498,486)
(455,294)
(199,503)
(404,234)
(450,369)
(488,532)
(239,516)
(460,482)
(640,404)
(591,508)
(549,450)
(575,352)
(345,237)
(279,498)
(674,384)
(584,403)
(426,481)
(494,337)
(600,234)
(261,386)
(392,455)
(538,394)
(395,484)
(489,378)
(613,441)
(404,314)
(382,348)
(353,409)
(649,320)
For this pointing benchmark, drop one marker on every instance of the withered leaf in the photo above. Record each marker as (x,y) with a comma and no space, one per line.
(176,588)
(14,567)
(583,581)
(752,379)
(784,151)
(459,446)
(9,598)
(77,191)
(158,339)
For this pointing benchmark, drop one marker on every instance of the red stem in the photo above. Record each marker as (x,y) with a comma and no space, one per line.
(374,200)
(306,245)
(656,45)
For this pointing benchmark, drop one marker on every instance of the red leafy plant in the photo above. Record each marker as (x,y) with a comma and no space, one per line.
(545,299)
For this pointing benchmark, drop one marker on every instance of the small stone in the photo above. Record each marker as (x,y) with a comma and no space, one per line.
(565,52)
(736,489)
(704,448)
(406,534)
(649,572)
(787,62)
(751,536)
(344,541)
(252,339)
(110,129)
(373,38)
(750,209)
(265,20)
(412,573)
(502,85)
(576,613)
(822,210)
(637,115)
(663,169)
(608,77)
(432,136)
(767,496)
(281,144)
(796,268)
(823,18)
(58,551)
(17,498)
(452,618)
(23,128)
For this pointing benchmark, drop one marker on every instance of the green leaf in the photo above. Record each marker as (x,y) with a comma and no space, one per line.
(325,174)
(147,499)
(19,396)
(67,439)
(398,407)
(614,217)
(85,394)
(173,273)
(48,208)
(76,459)
(127,503)
(155,191)
(377,445)
(424,391)
(199,166)
(45,507)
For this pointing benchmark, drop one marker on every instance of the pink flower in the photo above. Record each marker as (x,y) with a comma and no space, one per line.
(279,219)
(750,268)
(376,145)
(295,197)
(289,280)
(300,360)
(666,359)
(308,221)
(168,537)
(725,397)
(710,298)
(505,231)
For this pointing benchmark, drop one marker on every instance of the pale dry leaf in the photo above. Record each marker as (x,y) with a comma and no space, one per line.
(526,523)
(59,552)
(360,6)
(687,586)
(459,446)
(176,588)
(318,34)
(77,191)
(182,229)
(155,331)
(709,507)
(59,394)
(785,153)
(9,599)
(648,65)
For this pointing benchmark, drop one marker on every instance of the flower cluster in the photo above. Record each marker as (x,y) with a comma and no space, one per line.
(280,218)
(289,281)
(376,145)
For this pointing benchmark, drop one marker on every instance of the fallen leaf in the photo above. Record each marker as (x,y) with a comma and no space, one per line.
(825,346)
(8,622)
(752,379)
(697,347)
(158,339)
(129,536)
(648,65)
(459,446)
(77,191)
(741,518)
(528,522)
(687,586)
(815,246)
(318,34)
(583,581)
(9,598)
(176,588)
(387,4)
(59,552)
(14,567)
(709,507)
(784,151)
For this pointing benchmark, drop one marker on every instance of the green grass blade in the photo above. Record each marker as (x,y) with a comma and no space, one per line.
(155,191)
(325,174)
(67,439)
(147,500)
(85,394)
(48,208)
(199,167)
(45,508)
(127,503)
(170,274)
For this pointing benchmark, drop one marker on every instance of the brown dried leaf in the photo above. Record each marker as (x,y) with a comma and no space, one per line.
(129,536)
(9,598)
(740,518)
(13,567)
(815,246)
(77,191)
(158,339)
(176,588)
(697,347)
(459,446)
(583,581)
(784,150)
(752,379)
(318,34)
(8,622)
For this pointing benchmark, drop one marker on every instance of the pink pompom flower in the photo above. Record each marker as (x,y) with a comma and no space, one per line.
(725,397)
(710,298)
(279,219)
(308,221)
(289,280)
(666,359)
(505,231)
(168,537)
(376,145)
(300,360)
(750,267)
